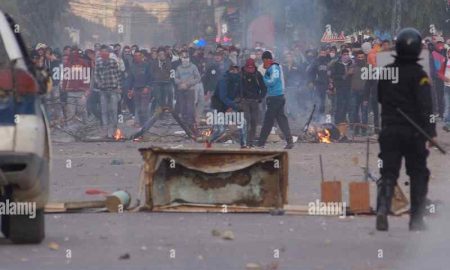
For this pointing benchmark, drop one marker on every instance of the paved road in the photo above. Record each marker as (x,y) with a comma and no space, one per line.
(185,241)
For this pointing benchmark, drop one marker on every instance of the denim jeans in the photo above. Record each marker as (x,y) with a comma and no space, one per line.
(141,106)
(162,95)
(447,105)
(75,108)
(356,104)
(109,101)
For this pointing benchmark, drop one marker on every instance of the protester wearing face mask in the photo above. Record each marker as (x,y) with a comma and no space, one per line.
(187,77)
(274,81)
(138,85)
(333,55)
(233,56)
(341,73)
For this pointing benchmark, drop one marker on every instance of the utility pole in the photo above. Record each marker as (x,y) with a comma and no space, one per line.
(396,17)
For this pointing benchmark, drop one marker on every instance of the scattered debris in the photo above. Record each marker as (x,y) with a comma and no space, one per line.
(125,256)
(95,192)
(228,235)
(216,233)
(209,208)
(53,246)
(253,266)
(277,212)
(272,266)
(118,201)
(117,162)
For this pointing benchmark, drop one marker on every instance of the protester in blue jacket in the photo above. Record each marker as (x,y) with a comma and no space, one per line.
(273,79)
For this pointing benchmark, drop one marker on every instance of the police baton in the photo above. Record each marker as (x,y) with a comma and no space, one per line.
(433,142)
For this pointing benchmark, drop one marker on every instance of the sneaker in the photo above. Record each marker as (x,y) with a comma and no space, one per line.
(446,128)
(289,145)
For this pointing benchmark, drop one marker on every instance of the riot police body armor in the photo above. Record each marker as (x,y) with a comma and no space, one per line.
(398,139)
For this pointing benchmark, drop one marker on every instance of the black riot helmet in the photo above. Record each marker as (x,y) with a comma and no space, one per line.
(408,44)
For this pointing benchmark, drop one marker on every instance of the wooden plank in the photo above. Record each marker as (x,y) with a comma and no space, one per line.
(209,208)
(296,209)
(55,207)
(399,203)
(359,197)
(85,204)
(331,191)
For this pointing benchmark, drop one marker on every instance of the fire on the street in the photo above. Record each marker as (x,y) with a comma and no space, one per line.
(319,134)
(324,136)
(118,135)
(206,136)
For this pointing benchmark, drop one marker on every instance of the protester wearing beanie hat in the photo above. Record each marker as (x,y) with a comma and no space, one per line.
(267,55)
(273,79)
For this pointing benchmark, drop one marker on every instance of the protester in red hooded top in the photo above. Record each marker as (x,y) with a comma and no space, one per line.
(253,91)
(76,79)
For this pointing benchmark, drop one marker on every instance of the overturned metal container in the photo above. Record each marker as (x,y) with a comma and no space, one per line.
(250,178)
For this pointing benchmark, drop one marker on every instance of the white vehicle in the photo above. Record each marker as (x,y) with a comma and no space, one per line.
(24,140)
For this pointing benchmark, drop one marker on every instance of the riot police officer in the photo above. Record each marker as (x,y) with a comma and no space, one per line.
(410,93)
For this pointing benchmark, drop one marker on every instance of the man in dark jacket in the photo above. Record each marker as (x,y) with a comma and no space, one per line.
(215,71)
(293,77)
(319,75)
(341,73)
(398,138)
(138,85)
(253,91)
(359,96)
(162,85)
(224,101)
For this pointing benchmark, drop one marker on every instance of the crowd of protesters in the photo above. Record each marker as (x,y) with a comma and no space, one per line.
(110,80)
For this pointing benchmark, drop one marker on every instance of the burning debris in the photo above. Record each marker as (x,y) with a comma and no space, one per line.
(321,133)
(118,135)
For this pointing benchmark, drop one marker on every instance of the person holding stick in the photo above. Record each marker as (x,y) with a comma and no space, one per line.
(410,96)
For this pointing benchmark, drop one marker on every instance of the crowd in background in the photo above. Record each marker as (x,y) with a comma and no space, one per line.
(134,82)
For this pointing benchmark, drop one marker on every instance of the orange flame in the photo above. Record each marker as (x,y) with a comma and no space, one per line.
(324,136)
(118,135)
(207,133)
